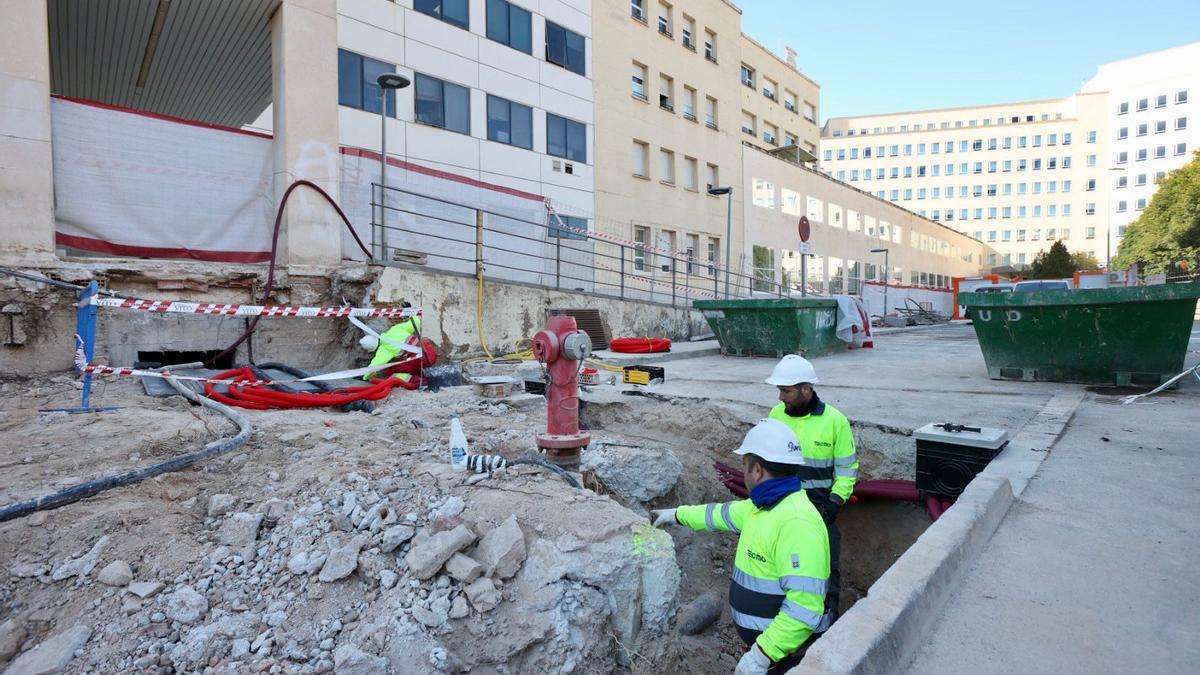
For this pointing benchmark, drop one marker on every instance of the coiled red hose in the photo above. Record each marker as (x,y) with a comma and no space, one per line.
(635,345)
(261,398)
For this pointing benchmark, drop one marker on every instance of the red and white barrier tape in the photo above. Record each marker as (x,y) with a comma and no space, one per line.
(223,309)
(100,370)
(686,289)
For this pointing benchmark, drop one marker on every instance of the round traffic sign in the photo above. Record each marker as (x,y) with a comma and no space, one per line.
(805,230)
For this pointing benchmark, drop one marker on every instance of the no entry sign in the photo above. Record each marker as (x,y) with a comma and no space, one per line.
(804,228)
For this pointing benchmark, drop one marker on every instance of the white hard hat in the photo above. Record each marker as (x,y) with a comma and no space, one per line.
(773,441)
(369,343)
(792,370)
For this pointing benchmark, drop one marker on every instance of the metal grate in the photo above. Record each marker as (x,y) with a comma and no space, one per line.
(589,321)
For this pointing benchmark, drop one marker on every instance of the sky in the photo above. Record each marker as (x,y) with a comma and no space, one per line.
(880,56)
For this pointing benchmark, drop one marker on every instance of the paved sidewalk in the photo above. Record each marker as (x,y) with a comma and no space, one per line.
(1094,568)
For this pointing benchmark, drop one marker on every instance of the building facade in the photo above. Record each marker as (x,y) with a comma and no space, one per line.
(1020,176)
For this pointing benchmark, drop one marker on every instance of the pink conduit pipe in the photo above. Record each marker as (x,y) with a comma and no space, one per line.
(888,490)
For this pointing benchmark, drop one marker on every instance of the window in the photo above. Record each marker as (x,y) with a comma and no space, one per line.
(1122,157)
(637,10)
(770,134)
(664,19)
(747,76)
(1123,108)
(1090,233)
(1141,129)
(1141,204)
(640,167)
(443,104)
(666,93)
(357,86)
(769,88)
(1160,127)
(1122,181)
(1180,123)
(1159,176)
(710,112)
(453,12)
(828,155)
(1181,148)
(1160,101)
(1181,97)
(1160,152)
(1143,104)
(568,227)
(789,102)
(714,176)
(1020,235)
(1142,154)
(710,45)
(565,48)
(666,166)
(748,127)
(1122,133)
(1091,137)
(641,238)
(689,32)
(1090,209)
(689,103)
(509,122)
(566,138)
(1067,138)
(1140,180)
(689,173)
(509,25)
(1066,186)
(714,252)
(638,87)
(790,139)
(1091,184)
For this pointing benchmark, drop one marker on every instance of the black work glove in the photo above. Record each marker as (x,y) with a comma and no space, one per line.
(829,508)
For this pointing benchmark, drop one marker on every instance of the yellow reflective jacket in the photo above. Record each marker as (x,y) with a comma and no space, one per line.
(777,594)
(386,352)
(827,441)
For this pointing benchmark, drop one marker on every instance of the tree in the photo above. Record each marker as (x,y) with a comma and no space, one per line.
(1056,263)
(1084,262)
(1168,231)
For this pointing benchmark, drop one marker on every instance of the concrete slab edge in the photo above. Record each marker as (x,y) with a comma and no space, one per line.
(882,632)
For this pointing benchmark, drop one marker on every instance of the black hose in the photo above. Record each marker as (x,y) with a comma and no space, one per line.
(361,406)
(90,488)
(534,461)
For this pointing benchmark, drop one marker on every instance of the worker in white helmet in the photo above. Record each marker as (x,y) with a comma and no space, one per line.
(404,331)
(830,459)
(781,568)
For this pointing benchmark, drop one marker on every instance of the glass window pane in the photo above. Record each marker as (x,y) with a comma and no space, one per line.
(520,33)
(456,12)
(372,69)
(576,141)
(429,101)
(430,7)
(556,135)
(556,44)
(498,122)
(349,79)
(521,125)
(575,53)
(497,20)
(458,107)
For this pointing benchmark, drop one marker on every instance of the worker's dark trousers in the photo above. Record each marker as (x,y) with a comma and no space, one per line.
(833,592)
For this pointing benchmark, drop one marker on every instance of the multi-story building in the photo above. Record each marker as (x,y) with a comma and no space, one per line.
(1152,124)
(686,102)
(1019,176)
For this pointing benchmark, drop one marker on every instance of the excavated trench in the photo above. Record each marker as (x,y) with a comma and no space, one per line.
(702,431)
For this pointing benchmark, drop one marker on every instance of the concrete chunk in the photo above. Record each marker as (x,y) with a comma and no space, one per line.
(394,536)
(427,557)
(116,573)
(82,565)
(52,655)
(483,595)
(342,562)
(220,504)
(186,605)
(463,568)
(240,529)
(145,589)
(502,550)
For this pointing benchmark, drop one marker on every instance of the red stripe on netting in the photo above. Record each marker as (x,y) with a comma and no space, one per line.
(110,248)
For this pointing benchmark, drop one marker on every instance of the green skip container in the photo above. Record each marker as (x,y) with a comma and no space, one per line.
(1119,336)
(773,327)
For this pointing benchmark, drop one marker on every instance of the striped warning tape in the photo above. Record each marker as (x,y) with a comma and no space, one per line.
(101,370)
(223,309)
(686,289)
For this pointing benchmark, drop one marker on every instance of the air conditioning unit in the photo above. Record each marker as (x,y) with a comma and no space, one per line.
(556,165)
(569,168)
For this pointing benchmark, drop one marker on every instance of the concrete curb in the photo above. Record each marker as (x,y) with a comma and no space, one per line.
(620,359)
(883,631)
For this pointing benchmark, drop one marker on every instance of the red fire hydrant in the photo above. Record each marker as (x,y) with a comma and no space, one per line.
(561,348)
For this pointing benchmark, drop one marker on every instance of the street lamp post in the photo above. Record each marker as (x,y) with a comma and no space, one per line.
(386,81)
(717,192)
(887,273)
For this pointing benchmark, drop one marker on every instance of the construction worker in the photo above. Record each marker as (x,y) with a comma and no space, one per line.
(386,352)
(781,569)
(830,460)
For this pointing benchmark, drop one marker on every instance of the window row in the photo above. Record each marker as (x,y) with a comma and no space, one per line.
(1142,154)
(667,99)
(1160,101)
(1160,127)
(698,261)
(991,190)
(1139,181)
(666,27)
(511,25)
(1138,205)
(770,89)
(770,132)
(936,170)
(1013,119)
(947,147)
(1052,234)
(689,177)
(447,105)
(1007,212)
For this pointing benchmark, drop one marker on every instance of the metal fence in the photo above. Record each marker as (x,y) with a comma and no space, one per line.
(408,228)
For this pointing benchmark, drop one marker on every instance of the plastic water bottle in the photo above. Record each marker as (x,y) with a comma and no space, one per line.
(458,445)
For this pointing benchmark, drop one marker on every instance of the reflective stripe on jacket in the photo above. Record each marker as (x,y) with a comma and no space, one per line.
(827,441)
(386,352)
(777,594)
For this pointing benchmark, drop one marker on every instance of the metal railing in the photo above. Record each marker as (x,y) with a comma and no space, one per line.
(516,246)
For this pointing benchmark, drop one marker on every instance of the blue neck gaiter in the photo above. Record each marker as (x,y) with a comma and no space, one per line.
(768,493)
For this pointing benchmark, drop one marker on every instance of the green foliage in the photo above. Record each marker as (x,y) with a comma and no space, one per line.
(1056,263)
(1168,231)
(1084,262)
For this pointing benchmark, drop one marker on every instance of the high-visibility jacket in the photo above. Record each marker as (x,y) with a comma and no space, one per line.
(777,594)
(387,352)
(830,458)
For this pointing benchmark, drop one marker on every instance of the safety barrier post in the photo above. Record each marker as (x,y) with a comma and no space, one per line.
(557,260)
(672,282)
(85,339)
(622,270)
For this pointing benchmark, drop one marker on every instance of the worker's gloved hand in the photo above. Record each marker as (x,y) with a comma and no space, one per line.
(830,507)
(663,517)
(754,662)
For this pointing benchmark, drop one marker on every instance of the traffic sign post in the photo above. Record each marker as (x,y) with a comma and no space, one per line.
(805,249)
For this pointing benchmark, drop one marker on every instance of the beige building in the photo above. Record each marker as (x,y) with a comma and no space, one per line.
(686,102)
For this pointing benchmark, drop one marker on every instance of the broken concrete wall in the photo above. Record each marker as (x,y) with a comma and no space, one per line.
(515,312)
